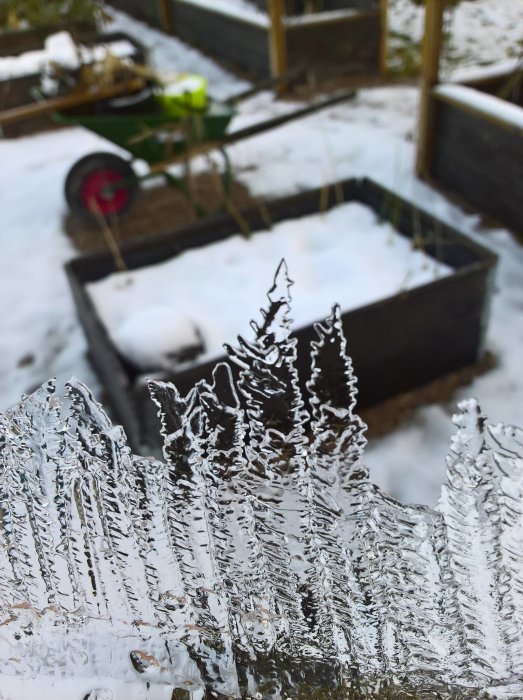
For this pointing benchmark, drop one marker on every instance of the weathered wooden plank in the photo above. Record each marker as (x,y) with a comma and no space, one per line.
(277,39)
(73,99)
(508,86)
(241,43)
(347,44)
(149,11)
(337,46)
(431,52)
(480,161)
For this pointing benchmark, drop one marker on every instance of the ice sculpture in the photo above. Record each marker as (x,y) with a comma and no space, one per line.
(257,560)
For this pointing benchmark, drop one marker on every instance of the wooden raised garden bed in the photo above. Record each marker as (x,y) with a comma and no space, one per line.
(397,344)
(343,39)
(476,149)
(16,91)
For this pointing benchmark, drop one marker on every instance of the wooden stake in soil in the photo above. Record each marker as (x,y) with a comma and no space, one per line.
(432,43)
(277,41)
(384,34)
(166,16)
(111,241)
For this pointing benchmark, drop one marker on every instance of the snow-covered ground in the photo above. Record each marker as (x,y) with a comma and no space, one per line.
(373,135)
(480,32)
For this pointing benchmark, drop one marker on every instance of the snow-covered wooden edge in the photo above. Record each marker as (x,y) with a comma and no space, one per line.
(330,16)
(260,19)
(475,73)
(222,7)
(492,108)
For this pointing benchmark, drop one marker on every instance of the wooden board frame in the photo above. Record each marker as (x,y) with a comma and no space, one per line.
(329,44)
(474,156)
(397,344)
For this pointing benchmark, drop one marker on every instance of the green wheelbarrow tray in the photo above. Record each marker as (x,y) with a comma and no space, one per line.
(156,137)
(105,184)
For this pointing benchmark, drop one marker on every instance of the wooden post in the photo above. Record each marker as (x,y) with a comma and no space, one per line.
(277,40)
(166,18)
(384,33)
(432,44)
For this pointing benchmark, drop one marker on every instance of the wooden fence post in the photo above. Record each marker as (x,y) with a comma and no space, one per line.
(384,32)
(277,41)
(166,16)
(432,44)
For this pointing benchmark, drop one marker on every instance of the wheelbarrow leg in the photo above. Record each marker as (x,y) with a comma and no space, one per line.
(182,185)
(227,174)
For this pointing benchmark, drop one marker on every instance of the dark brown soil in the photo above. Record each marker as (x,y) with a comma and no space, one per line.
(158,210)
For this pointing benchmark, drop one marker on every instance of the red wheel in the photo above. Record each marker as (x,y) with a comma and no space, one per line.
(91,187)
(97,194)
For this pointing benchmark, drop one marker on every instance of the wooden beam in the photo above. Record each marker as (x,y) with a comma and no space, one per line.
(166,16)
(247,132)
(384,34)
(73,99)
(431,54)
(277,39)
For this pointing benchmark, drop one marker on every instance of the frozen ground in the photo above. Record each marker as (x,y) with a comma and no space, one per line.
(373,135)
(481,32)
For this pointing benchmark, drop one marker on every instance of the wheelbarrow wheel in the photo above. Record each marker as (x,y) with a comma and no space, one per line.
(92,186)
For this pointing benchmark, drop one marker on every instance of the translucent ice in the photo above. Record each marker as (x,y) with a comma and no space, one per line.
(256,560)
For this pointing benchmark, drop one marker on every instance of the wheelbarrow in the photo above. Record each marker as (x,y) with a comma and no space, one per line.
(104,184)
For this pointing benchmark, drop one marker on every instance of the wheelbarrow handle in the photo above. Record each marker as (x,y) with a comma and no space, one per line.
(288,78)
(73,99)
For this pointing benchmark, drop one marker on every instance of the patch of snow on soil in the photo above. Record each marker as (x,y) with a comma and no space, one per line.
(345,255)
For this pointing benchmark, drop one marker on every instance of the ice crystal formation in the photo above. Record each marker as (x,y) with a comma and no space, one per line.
(257,560)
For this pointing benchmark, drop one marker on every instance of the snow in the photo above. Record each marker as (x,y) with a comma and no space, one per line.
(60,48)
(152,337)
(498,70)
(482,32)
(489,106)
(372,135)
(345,254)
(241,9)
(318,17)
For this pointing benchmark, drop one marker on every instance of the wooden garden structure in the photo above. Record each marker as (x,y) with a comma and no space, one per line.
(470,139)
(347,37)
(402,339)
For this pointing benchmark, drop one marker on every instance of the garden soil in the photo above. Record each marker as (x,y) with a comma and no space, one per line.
(159,210)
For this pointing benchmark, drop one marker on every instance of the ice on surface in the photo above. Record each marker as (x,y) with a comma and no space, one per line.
(257,559)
